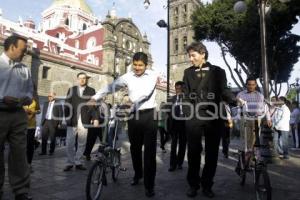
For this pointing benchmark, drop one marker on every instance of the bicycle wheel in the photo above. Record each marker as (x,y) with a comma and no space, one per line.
(95,181)
(115,168)
(263,187)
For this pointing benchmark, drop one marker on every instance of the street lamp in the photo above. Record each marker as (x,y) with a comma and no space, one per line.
(240,6)
(163,24)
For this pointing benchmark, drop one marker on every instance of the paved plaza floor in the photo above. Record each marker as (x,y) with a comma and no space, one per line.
(50,182)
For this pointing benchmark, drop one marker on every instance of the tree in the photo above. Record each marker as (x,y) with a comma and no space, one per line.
(238,34)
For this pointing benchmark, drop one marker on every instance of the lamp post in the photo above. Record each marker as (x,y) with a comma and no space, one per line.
(162,24)
(240,6)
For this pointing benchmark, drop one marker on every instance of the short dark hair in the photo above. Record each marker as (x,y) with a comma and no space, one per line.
(140,56)
(198,47)
(250,78)
(13,40)
(282,98)
(82,73)
(179,83)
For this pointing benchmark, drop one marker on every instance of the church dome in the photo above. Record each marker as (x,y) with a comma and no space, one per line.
(81,4)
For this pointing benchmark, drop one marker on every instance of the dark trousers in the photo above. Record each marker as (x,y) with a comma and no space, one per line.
(225,139)
(294,132)
(195,131)
(164,137)
(92,135)
(142,130)
(48,130)
(178,136)
(30,144)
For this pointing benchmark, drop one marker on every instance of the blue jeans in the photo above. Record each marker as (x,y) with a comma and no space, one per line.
(281,142)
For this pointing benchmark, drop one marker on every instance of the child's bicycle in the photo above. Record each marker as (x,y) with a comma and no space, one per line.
(251,162)
(108,157)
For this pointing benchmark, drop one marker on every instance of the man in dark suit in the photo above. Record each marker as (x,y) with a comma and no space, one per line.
(51,119)
(205,88)
(177,128)
(78,117)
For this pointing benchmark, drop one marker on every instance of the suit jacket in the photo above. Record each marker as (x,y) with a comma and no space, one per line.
(75,106)
(56,113)
(212,89)
(172,110)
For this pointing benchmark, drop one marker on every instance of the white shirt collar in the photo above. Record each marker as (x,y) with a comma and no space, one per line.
(7,60)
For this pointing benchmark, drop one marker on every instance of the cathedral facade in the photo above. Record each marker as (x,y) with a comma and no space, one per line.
(70,39)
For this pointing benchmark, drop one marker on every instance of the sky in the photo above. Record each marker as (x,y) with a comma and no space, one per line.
(145,19)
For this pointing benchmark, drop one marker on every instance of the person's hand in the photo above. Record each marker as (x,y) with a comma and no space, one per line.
(96,123)
(269,123)
(230,123)
(91,102)
(241,102)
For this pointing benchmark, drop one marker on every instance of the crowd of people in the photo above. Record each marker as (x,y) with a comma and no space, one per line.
(199,113)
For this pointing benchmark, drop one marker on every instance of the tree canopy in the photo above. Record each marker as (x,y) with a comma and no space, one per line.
(239,35)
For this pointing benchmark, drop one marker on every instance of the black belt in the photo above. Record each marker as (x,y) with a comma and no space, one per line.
(145,110)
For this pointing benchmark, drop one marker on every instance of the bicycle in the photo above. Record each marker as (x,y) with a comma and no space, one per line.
(108,157)
(251,162)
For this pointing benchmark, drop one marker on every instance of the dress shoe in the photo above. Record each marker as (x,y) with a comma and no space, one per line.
(42,154)
(208,193)
(171,169)
(192,192)
(51,153)
(149,192)
(225,155)
(179,167)
(23,197)
(134,181)
(80,167)
(68,168)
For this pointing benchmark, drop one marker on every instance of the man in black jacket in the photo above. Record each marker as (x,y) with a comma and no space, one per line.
(177,128)
(78,117)
(51,119)
(206,87)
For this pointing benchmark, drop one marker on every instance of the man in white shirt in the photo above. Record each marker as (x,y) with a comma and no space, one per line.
(280,120)
(16,90)
(142,128)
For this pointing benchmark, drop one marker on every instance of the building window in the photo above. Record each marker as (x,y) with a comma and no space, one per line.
(77,44)
(45,72)
(84,26)
(184,42)
(185,8)
(67,22)
(176,45)
(176,11)
(176,16)
(91,43)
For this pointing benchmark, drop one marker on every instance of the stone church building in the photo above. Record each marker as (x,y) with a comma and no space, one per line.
(70,39)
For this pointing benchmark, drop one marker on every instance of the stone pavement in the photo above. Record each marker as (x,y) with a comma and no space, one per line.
(49,182)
